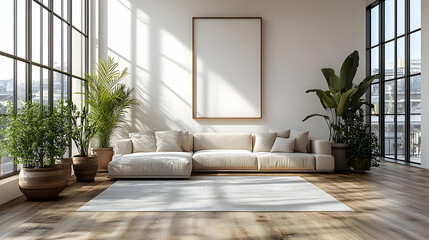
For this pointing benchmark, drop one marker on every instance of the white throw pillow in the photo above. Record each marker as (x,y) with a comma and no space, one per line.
(123,146)
(143,141)
(168,141)
(264,142)
(301,140)
(186,141)
(284,145)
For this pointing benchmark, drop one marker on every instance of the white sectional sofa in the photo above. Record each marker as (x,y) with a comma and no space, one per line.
(221,152)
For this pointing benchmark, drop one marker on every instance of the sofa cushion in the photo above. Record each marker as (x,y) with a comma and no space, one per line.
(283,133)
(187,141)
(152,164)
(143,141)
(301,140)
(123,146)
(281,161)
(168,141)
(264,142)
(284,145)
(224,160)
(207,141)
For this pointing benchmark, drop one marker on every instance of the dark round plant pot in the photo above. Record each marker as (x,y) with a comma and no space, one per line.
(104,157)
(39,184)
(85,168)
(339,153)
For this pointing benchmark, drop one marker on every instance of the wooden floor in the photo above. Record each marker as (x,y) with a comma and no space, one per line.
(390,202)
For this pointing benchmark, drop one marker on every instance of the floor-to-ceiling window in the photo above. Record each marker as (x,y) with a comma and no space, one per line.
(43,53)
(394,48)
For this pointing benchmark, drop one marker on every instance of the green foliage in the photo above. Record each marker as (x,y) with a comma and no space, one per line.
(83,130)
(343,96)
(362,145)
(34,135)
(108,98)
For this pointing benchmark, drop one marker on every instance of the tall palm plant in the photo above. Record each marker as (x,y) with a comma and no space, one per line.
(107,98)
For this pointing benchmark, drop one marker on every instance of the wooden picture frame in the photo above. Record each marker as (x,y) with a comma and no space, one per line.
(226,67)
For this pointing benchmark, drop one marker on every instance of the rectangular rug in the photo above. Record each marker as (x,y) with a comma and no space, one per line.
(215,193)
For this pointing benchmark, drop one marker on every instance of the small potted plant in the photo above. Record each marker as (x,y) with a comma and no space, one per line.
(84,165)
(35,137)
(108,100)
(362,149)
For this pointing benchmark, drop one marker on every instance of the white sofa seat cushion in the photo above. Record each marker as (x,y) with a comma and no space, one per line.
(221,159)
(233,141)
(151,164)
(281,161)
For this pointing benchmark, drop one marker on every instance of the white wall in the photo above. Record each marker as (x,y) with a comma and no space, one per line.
(425,84)
(153,39)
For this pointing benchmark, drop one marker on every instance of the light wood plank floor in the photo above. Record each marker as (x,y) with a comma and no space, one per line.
(390,202)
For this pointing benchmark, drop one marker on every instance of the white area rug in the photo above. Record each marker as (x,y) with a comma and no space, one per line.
(215,193)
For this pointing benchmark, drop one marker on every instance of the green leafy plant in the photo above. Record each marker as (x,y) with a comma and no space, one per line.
(34,135)
(342,95)
(83,131)
(107,98)
(362,149)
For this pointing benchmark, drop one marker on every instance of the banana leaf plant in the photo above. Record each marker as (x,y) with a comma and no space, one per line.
(342,96)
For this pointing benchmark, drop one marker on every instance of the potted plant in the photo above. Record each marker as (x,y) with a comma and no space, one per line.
(84,165)
(362,145)
(108,100)
(341,98)
(35,137)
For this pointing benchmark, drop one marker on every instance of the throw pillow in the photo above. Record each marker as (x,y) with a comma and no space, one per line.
(284,145)
(301,140)
(284,133)
(143,141)
(186,141)
(168,141)
(264,142)
(123,146)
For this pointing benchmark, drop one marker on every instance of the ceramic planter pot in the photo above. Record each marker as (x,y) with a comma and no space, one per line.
(104,157)
(85,168)
(42,183)
(339,153)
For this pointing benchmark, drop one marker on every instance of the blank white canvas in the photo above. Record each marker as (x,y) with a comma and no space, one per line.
(227,68)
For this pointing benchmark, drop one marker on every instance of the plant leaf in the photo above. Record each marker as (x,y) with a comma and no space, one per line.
(348,71)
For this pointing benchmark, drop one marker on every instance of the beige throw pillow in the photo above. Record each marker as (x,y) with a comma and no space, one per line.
(284,133)
(301,140)
(284,145)
(123,146)
(143,141)
(264,142)
(168,141)
(186,141)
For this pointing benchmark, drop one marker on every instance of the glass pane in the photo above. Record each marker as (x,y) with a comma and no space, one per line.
(400,137)
(400,62)
(21,25)
(57,43)
(46,3)
(35,84)
(389,136)
(415,138)
(375,25)
(415,53)
(77,87)
(65,46)
(389,60)
(65,87)
(401,96)
(77,53)
(57,86)
(400,17)
(65,9)
(57,6)
(375,100)
(389,97)
(389,20)
(375,125)
(36,44)
(6,82)
(415,94)
(6,26)
(46,80)
(45,37)
(375,66)
(21,76)
(77,14)
(415,14)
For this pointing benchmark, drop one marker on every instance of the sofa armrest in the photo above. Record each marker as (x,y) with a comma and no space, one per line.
(321,147)
(123,146)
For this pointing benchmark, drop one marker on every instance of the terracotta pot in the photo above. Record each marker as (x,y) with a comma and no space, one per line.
(85,168)
(66,163)
(339,153)
(42,183)
(104,157)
